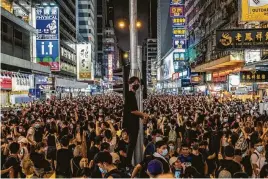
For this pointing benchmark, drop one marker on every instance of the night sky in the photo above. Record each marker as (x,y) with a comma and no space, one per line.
(121,11)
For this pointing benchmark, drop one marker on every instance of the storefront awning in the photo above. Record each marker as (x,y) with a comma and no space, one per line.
(221,63)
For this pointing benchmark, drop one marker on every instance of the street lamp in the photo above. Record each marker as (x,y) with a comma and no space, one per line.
(122,24)
(125,55)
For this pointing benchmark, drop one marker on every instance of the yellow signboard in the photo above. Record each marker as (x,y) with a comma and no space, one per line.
(254,10)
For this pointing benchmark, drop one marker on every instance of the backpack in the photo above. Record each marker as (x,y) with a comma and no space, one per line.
(172,135)
(241,143)
(117,174)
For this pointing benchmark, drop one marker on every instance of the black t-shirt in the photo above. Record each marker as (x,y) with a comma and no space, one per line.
(131,121)
(51,141)
(15,163)
(64,157)
(230,166)
(92,152)
(64,131)
(122,145)
(198,163)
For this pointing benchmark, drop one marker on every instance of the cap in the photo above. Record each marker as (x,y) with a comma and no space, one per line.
(115,157)
(172,160)
(23,140)
(155,167)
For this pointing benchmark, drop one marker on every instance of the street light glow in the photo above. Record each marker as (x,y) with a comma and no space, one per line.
(125,55)
(138,24)
(121,24)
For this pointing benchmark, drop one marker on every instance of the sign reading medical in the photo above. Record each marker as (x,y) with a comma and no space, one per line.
(179,33)
(254,76)
(47,40)
(253,10)
(242,38)
(176,11)
(178,21)
(84,61)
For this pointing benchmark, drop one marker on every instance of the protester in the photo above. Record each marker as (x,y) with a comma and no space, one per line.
(185,137)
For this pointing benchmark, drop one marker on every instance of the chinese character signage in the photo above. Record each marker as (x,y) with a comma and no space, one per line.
(253,10)
(110,67)
(254,76)
(179,33)
(47,40)
(178,21)
(179,44)
(176,2)
(176,11)
(84,61)
(178,56)
(242,38)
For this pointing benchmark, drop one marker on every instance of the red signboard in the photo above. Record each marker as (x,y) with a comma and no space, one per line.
(176,11)
(219,79)
(6,83)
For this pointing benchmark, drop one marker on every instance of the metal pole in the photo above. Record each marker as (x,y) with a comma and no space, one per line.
(134,71)
(133,38)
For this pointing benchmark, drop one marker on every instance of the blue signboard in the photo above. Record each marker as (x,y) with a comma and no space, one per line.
(179,44)
(185,82)
(47,43)
(176,2)
(35,92)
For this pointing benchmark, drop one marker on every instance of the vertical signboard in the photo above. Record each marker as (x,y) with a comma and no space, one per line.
(47,40)
(83,61)
(110,67)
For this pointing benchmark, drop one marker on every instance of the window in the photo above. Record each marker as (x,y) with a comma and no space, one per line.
(81,14)
(89,6)
(82,6)
(3,27)
(17,34)
(83,22)
(83,30)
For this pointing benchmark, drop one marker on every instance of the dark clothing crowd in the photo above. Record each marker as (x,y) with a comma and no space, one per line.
(96,136)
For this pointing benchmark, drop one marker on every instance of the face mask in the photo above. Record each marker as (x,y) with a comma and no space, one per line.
(136,87)
(102,171)
(171,147)
(37,125)
(259,149)
(158,139)
(165,152)
(225,120)
(20,130)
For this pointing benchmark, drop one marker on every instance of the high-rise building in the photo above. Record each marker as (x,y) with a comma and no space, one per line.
(150,56)
(101,23)
(152,21)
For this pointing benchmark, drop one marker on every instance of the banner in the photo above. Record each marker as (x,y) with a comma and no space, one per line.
(254,76)
(5,83)
(241,38)
(176,11)
(83,61)
(253,10)
(47,40)
(110,67)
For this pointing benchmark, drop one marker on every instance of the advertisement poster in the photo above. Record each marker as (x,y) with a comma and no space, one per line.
(176,11)
(110,67)
(253,10)
(242,38)
(47,40)
(83,61)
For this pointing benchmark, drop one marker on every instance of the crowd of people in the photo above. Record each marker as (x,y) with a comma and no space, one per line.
(184,137)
